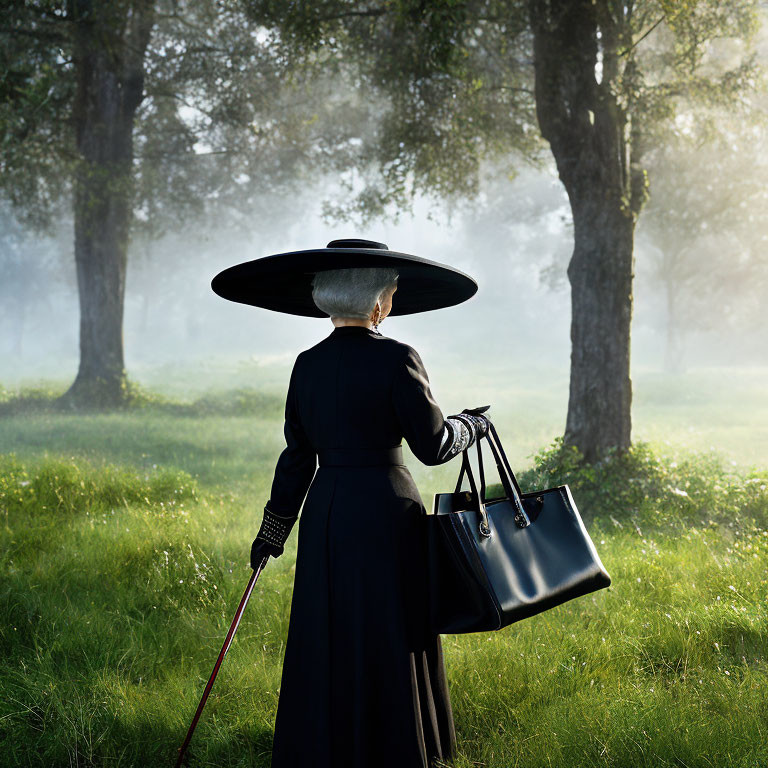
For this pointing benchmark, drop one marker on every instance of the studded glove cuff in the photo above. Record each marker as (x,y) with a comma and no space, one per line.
(274,530)
(476,424)
(460,431)
(479,422)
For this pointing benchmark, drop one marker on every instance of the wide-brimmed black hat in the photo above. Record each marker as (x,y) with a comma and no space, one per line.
(283,282)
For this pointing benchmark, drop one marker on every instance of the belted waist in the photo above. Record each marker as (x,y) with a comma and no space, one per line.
(360,457)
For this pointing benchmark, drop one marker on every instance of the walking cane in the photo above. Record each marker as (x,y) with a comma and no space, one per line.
(227,642)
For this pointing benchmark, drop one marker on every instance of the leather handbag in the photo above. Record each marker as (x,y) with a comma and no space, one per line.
(495,561)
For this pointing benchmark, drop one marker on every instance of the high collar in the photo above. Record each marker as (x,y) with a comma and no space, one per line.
(342,330)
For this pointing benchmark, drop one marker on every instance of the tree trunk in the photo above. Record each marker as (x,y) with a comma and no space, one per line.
(110,41)
(600,273)
(591,136)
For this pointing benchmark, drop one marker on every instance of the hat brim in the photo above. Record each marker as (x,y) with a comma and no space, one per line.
(283,282)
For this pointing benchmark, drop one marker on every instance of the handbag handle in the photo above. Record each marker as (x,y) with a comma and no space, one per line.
(506,475)
(483,526)
(466,467)
(498,453)
(508,479)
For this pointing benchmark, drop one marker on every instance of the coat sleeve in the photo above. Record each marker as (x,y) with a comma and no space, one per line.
(432,438)
(296,464)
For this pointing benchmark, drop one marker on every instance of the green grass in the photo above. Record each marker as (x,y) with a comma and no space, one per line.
(124,552)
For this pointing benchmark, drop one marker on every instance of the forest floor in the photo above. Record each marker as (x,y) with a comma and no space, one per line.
(125,541)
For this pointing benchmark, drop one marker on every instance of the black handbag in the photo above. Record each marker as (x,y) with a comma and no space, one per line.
(495,561)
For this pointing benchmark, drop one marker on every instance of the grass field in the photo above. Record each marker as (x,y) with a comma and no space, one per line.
(124,552)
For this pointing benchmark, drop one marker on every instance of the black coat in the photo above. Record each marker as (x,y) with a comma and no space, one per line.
(363,682)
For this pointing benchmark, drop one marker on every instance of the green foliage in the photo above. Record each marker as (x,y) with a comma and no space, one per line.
(447,81)
(457,80)
(37,86)
(54,398)
(119,585)
(28,399)
(238,402)
(235,402)
(653,490)
(206,79)
(661,668)
(63,488)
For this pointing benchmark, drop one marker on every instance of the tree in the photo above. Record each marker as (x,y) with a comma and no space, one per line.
(597,79)
(601,103)
(146,111)
(706,223)
(109,45)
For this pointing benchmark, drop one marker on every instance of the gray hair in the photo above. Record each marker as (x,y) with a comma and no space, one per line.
(352,292)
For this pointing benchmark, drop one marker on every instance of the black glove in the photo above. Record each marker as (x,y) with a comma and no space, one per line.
(479,422)
(259,550)
(271,538)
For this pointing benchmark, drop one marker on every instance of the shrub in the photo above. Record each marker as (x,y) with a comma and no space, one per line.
(651,489)
(68,486)
(235,402)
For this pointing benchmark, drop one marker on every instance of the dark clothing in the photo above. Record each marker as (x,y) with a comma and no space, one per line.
(363,682)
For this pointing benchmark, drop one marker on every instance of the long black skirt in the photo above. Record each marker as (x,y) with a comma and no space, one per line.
(363,682)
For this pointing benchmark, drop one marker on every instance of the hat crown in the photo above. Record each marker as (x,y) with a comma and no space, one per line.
(355,243)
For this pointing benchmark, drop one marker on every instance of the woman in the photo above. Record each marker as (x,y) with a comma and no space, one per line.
(363,682)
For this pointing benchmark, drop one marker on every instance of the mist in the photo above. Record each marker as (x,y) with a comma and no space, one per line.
(600,170)
(516,242)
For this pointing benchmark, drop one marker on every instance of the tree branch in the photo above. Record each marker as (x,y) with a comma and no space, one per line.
(371,12)
(41,34)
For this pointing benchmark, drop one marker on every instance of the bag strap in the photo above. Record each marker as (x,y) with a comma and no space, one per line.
(508,479)
(506,475)
(498,452)
(480,470)
(479,498)
(467,467)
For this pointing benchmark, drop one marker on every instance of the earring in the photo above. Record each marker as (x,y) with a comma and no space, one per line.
(377,320)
